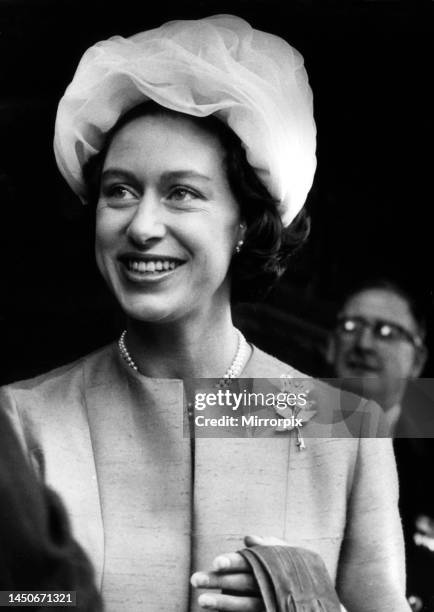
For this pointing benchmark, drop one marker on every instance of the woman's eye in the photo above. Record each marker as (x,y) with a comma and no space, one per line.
(183,194)
(117,191)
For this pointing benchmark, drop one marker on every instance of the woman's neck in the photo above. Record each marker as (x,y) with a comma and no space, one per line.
(198,347)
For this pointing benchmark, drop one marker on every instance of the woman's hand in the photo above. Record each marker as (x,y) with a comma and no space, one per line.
(232,575)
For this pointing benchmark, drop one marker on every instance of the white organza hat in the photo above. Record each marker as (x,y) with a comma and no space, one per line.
(253,81)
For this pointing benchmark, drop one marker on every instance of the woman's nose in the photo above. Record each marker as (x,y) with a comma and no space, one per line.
(147,223)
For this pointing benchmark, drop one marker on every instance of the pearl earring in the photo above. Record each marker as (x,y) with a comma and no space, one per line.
(239,245)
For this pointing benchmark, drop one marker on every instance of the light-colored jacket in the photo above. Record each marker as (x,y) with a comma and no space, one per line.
(110,442)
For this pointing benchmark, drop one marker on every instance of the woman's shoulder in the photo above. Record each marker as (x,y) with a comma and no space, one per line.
(54,402)
(75,371)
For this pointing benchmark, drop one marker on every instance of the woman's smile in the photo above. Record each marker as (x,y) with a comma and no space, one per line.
(149,268)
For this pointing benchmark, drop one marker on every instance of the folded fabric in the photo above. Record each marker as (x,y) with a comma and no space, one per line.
(292,579)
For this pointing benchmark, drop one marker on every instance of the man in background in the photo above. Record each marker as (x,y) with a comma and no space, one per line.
(378,347)
(378,344)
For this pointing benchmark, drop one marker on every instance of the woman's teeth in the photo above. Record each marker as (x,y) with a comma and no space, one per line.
(151,266)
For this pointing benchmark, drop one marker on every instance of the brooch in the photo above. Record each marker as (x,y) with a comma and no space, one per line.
(294,405)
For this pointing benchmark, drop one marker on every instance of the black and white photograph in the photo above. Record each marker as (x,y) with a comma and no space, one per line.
(216,306)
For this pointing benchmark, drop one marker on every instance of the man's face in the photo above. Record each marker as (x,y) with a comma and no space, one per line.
(374,344)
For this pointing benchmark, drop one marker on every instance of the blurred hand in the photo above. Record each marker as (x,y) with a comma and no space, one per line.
(233,576)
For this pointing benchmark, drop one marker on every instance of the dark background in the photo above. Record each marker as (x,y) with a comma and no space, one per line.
(370,69)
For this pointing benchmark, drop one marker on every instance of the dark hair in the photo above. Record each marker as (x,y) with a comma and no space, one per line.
(267,244)
(415,301)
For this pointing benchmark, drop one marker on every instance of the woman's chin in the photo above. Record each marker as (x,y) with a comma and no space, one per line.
(152,311)
(150,315)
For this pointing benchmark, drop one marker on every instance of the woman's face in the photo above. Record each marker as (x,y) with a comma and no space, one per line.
(167,223)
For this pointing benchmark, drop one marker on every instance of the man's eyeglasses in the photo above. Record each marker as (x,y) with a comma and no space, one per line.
(383,331)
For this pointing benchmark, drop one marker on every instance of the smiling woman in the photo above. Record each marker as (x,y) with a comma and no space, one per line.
(195,142)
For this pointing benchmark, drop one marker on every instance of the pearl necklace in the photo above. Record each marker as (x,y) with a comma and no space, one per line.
(233,371)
